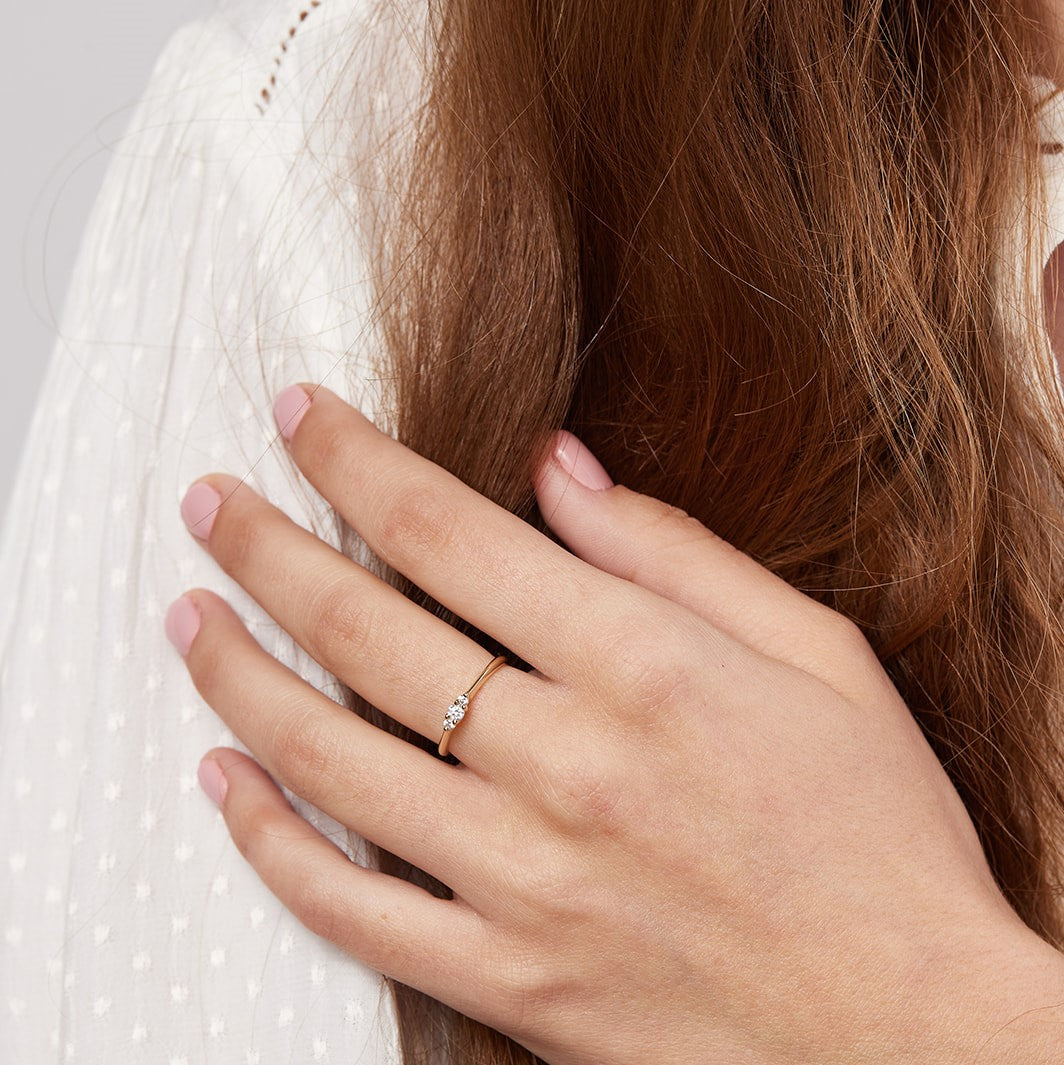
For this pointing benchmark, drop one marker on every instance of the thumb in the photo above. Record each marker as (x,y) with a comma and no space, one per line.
(663,548)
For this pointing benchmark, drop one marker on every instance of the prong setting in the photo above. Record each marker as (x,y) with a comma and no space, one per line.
(455,712)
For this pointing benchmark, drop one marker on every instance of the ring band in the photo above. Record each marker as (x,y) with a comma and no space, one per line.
(456,711)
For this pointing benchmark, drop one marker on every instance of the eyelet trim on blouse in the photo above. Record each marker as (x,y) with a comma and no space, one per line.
(264,92)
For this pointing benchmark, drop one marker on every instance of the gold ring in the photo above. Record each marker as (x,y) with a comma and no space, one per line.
(456,711)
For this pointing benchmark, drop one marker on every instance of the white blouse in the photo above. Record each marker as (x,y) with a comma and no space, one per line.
(210,276)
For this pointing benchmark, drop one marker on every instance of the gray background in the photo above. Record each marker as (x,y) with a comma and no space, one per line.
(71,74)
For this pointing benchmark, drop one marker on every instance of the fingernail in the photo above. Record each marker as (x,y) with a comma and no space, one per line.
(212,780)
(289,408)
(575,459)
(182,623)
(199,508)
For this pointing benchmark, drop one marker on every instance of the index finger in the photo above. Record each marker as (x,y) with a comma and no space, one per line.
(473,556)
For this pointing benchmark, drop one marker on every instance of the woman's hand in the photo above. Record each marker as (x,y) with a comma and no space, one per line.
(705,828)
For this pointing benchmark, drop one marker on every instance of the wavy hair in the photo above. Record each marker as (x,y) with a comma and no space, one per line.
(758,255)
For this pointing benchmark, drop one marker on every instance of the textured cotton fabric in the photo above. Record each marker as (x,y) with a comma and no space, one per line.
(210,277)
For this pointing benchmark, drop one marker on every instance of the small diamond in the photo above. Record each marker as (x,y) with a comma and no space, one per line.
(455,712)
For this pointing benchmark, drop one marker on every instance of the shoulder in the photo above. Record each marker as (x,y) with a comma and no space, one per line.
(292,92)
(239,59)
(253,115)
(224,256)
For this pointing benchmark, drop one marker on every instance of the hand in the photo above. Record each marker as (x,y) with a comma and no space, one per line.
(705,827)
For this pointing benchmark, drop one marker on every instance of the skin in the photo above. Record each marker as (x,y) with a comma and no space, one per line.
(705,827)
(1049,14)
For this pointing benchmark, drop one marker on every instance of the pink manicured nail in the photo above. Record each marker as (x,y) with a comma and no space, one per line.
(199,508)
(289,408)
(574,457)
(212,780)
(182,623)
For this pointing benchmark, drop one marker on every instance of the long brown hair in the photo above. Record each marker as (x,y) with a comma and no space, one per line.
(754,253)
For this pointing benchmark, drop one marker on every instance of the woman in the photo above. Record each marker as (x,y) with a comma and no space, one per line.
(777,267)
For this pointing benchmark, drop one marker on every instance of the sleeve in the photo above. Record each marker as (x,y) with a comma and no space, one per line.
(209,277)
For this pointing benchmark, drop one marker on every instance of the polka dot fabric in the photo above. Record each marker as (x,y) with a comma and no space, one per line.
(209,278)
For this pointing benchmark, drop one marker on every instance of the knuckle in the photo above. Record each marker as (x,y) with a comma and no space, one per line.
(343,624)
(656,513)
(659,686)
(665,529)
(584,795)
(646,659)
(305,753)
(417,519)
(318,909)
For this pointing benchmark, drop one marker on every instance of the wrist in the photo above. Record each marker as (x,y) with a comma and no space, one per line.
(1012,1000)
(1027,1025)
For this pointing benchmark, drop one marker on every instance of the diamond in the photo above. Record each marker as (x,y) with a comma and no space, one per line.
(455,712)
